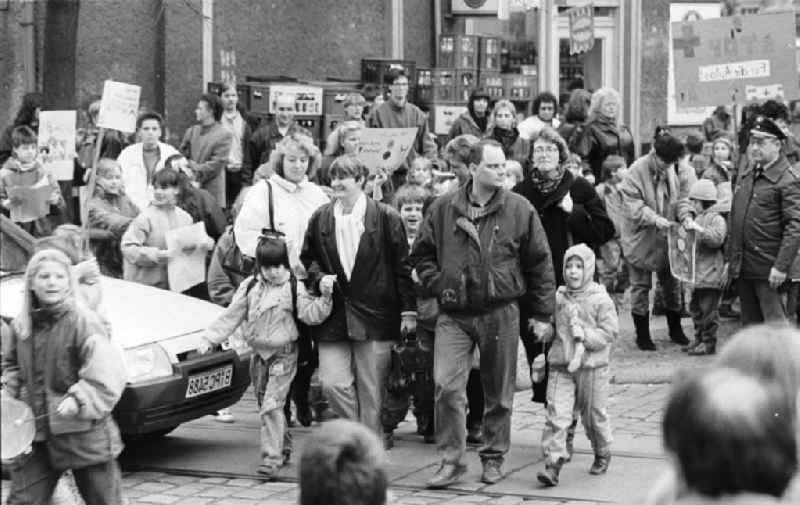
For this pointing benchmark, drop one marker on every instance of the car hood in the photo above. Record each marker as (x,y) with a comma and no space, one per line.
(138,314)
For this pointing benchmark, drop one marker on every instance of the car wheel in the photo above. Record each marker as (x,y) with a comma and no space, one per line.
(147,438)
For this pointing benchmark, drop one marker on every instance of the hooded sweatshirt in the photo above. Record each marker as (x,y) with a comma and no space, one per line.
(596,314)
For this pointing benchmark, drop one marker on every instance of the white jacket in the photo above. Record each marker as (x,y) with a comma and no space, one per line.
(134,173)
(293,205)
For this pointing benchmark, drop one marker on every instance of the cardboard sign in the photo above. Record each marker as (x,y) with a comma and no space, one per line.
(119,106)
(581,29)
(443,117)
(57,141)
(307,99)
(682,246)
(386,148)
(716,59)
(185,270)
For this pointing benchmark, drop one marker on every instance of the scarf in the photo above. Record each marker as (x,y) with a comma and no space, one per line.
(506,138)
(547,183)
(479,121)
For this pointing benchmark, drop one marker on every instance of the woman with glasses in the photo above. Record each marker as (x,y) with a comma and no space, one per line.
(569,207)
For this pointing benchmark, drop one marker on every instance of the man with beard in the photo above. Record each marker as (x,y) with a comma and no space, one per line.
(474,121)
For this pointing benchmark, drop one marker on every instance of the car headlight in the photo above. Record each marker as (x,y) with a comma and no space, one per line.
(147,362)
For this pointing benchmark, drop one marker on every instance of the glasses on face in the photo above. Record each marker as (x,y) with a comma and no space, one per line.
(399,84)
(549,150)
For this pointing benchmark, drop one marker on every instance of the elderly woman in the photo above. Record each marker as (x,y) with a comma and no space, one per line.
(503,129)
(569,207)
(603,133)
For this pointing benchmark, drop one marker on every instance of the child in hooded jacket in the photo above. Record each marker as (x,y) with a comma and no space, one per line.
(58,358)
(585,317)
(268,305)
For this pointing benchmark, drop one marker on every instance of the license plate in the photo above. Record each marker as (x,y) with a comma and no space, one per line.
(210,381)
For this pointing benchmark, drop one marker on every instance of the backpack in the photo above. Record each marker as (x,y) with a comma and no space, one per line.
(292,284)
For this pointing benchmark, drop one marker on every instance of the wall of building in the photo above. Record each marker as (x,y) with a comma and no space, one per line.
(418,36)
(12,85)
(655,62)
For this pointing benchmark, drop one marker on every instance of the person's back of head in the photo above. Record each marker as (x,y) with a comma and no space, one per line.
(731,433)
(342,464)
(668,148)
(694,143)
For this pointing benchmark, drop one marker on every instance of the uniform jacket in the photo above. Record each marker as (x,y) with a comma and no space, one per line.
(596,314)
(644,245)
(112,214)
(207,146)
(267,311)
(227,269)
(710,271)
(765,221)
(368,306)
(473,265)
(70,345)
(600,138)
(134,173)
(465,125)
(142,241)
(588,222)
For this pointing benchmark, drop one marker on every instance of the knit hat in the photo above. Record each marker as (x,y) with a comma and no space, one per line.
(723,140)
(703,190)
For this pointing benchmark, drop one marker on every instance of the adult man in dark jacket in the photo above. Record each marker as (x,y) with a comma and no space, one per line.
(480,249)
(264,140)
(765,226)
(361,244)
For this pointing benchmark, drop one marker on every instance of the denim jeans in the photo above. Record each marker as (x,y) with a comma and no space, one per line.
(33,480)
(496,333)
(761,303)
(642,282)
(704,307)
(584,392)
(353,376)
(272,380)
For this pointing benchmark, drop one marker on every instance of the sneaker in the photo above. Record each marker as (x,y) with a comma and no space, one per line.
(388,441)
(703,349)
(695,343)
(549,476)
(224,416)
(475,435)
(447,475)
(491,471)
(600,465)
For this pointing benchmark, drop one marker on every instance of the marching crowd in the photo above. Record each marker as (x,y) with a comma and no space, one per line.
(513,232)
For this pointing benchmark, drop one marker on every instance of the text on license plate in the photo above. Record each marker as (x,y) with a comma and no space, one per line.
(209,381)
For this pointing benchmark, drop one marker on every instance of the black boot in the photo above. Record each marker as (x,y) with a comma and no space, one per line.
(549,477)
(675,329)
(643,340)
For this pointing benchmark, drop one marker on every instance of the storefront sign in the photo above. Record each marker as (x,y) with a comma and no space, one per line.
(119,106)
(716,59)
(581,29)
(308,99)
(476,7)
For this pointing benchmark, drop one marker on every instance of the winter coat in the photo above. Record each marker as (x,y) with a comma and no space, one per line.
(465,125)
(76,356)
(596,315)
(716,173)
(138,186)
(206,147)
(369,305)
(515,147)
(602,137)
(644,245)
(264,140)
(710,270)
(588,222)
(765,221)
(199,204)
(12,175)
(612,200)
(267,310)
(227,269)
(111,214)
(143,240)
(292,205)
(473,265)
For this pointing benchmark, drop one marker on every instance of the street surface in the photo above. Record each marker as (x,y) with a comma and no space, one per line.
(209,463)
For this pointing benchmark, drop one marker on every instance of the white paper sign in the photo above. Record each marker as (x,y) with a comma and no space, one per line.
(444,116)
(119,106)
(767,92)
(57,138)
(386,148)
(186,270)
(307,99)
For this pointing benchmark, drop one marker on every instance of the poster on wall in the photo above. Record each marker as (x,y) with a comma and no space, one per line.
(717,59)
(687,12)
(57,139)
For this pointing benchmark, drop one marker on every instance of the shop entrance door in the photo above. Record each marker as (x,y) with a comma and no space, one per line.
(597,67)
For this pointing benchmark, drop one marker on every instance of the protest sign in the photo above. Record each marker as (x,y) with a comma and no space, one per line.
(185,270)
(443,117)
(581,28)
(716,59)
(57,140)
(385,148)
(30,202)
(119,106)
(682,244)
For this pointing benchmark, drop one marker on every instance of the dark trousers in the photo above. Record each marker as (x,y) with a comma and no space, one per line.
(474,400)
(33,480)
(794,302)
(233,185)
(763,304)
(704,307)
